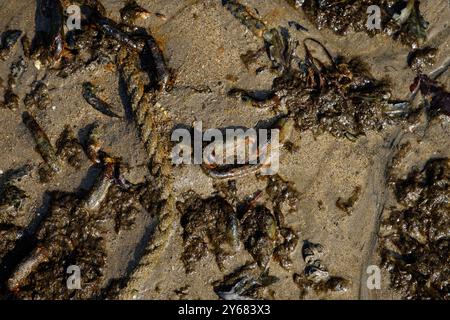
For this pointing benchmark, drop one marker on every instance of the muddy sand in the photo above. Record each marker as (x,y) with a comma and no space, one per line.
(202,44)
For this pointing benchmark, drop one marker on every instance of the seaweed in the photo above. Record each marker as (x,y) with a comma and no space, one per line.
(420,58)
(68,236)
(414,239)
(400,19)
(132,11)
(338,96)
(209,225)
(437,98)
(38,96)
(68,147)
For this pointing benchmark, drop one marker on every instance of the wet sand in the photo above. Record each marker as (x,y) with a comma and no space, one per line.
(202,43)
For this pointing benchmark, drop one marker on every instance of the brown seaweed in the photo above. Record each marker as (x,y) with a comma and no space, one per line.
(43,274)
(132,11)
(437,96)
(38,96)
(414,239)
(400,19)
(420,58)
(209,225)
(338,96)
(68,147)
